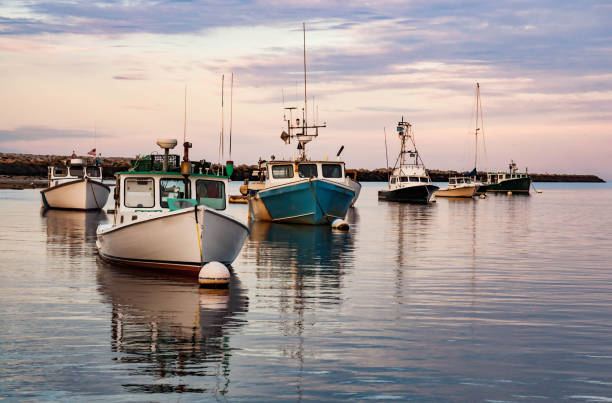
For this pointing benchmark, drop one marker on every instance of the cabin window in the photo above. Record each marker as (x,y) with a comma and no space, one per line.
(282,171)
(76,171)
(332,171)
(93,172)
(307,170)
(139,192)
(468,181)
(459,180)
(403,179)
(414,179)
(60,171)
(392,181)
(451,181)
(211,193)
(170,188)
(423,179)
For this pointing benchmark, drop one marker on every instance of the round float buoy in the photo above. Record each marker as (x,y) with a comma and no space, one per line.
(214,274)
(509,193)
(340,224)
(483,196)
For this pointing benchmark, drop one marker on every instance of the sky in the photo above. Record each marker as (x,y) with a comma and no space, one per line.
(75,75)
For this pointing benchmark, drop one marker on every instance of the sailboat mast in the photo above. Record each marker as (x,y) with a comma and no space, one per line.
(477,128)
(305,99)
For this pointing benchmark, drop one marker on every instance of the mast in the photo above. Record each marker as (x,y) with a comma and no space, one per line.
(477,128)
(305,98)
(231,115)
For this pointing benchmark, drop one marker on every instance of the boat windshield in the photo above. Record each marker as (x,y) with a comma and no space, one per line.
(282,171)
(170,187)
(414,179)
(403,179)
(332,171)
(210,193)
(76,171)
(451,181)
(307,170)
(139,192)
(60,171)
(424,179)
(93,172)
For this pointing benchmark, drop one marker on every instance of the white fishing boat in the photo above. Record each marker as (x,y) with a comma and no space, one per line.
(461,186)
(168,217)
(409,182)
(76,186)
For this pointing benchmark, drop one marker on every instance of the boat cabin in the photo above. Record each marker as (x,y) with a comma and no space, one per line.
(281,172)
(496,177)
(460,181)
(74,169)
(153,192)
(408,175)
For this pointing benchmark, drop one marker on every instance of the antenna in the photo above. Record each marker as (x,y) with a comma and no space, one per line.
(222,123)
(185,117)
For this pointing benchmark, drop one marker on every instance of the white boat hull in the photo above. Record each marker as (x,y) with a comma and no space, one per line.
(464,191)
(169,240)
(80,194)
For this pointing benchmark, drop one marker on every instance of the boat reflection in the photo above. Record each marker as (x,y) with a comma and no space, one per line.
(72,234)
(306,255)
(166,328)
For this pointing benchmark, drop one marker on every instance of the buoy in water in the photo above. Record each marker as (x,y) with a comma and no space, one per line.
(214,274)
(509,193)
(340,224)
(483,196)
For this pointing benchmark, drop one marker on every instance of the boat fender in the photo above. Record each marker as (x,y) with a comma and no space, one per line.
(340,224)
(214,275)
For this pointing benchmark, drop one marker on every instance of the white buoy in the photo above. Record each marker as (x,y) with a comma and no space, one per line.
(340,224)
(509,193)
(214,274)
(483,196)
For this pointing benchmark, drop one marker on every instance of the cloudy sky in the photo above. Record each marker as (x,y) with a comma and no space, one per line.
(119,69)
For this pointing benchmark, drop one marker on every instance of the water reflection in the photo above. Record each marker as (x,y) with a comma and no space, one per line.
(71,234)
(168,330)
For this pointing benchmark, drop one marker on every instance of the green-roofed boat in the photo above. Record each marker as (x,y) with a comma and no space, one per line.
(511,181)
(167,215)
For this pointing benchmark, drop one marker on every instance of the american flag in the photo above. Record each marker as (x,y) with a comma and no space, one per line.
(92,152)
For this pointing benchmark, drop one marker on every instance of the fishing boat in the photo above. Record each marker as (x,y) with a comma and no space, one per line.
(76,185)
(408,182)
(511,181)
(460,186)
(168,217)
(300,190)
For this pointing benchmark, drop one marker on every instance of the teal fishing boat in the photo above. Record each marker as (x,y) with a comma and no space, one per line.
(300,190)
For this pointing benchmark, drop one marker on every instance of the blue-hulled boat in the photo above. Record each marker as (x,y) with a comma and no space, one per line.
(300,192)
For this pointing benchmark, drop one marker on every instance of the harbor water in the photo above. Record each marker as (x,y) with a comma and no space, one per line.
(503,299)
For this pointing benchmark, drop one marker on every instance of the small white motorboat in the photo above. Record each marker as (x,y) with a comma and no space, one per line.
(75,186)
(461,186)
(167,217)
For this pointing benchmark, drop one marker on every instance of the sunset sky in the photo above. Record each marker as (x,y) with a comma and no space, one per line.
(119,68)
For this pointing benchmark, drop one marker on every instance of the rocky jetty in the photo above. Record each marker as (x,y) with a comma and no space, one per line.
(29,170)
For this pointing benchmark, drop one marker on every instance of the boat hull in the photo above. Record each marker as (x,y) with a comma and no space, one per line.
(465,191)
(80,194)
(311,201)
(517,185)
(411,194)
(356,187)
(169,240)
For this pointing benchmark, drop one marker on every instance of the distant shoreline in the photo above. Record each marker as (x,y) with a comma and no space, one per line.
(18,171)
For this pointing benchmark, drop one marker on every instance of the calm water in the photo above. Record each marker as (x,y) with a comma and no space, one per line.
(507,299)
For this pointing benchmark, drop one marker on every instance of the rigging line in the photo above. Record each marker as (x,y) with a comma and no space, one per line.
(185,117)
